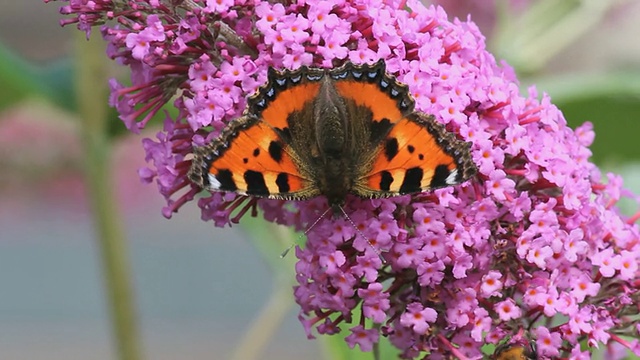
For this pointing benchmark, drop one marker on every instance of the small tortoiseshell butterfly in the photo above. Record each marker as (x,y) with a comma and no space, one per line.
(332,132)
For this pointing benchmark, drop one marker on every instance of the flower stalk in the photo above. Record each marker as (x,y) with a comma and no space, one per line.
(91,88)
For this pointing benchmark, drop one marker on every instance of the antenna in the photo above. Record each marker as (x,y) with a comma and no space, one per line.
(361,234)
(286,251)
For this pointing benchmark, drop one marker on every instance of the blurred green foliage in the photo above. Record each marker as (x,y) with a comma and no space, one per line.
(610,101)
(20,80)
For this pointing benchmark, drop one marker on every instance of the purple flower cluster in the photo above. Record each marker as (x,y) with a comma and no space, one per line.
(534,246)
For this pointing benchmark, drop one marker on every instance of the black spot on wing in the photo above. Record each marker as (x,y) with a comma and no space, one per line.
(256,152)
(440,176)
(379,130)
(275,150)
(411,149)
(225,178)
(421,156)
(385,181)
(255,183)
(412,180)
(245,160)
(391,148)
(283,183)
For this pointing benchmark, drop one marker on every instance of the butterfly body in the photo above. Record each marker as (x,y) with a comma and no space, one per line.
(332,132)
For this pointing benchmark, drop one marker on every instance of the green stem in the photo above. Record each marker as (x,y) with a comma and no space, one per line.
(376,351)
(278,306)
(91,81)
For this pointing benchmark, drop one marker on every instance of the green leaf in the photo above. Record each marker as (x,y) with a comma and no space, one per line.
(615,123)
(21,79)
(387,350)
(587,86)
(17,78)
(58,82)
(336,348)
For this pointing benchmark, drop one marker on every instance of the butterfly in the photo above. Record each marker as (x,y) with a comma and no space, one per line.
(516,351)
(332,132)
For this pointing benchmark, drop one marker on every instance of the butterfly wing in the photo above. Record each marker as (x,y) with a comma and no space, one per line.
(261,154)
(398,151)
(273,150)
(417,154)
(250,158)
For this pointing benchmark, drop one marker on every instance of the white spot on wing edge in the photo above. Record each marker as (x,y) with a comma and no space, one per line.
(452,178)
(213,182)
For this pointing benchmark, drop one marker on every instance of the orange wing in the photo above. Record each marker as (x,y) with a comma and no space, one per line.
(381,105)
(251,158)
(253,154)
(418,154)
(372,87)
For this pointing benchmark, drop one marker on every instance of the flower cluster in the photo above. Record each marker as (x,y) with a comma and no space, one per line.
(534,245)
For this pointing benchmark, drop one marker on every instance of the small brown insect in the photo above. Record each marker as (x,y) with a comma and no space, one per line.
(516,351)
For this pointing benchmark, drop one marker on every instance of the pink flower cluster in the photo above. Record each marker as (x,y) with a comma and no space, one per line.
(533,246)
